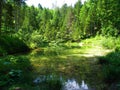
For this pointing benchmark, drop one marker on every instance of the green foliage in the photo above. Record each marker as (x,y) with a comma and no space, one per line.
(11,44)
(39,27)
(67,23)
(37,40)
(53,49)
(108,16)
(117,46)
(109,31)
(111,43)
(111,67)
(13,69)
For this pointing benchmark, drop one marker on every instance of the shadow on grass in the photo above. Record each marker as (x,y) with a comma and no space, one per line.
(111,69)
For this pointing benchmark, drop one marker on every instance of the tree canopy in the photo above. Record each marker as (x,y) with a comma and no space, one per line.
(66,23)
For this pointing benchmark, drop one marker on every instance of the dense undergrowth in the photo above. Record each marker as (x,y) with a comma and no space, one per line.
(111,66)
(14,70)
(11,45)
(111,62)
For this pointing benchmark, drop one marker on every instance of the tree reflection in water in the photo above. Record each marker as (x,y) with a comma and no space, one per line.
(73,85)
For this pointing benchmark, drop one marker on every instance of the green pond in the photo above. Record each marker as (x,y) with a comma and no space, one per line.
(67,69)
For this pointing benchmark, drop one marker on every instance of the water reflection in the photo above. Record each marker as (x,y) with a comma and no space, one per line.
(69,66)
(73,85)
(39,80)
(69,84)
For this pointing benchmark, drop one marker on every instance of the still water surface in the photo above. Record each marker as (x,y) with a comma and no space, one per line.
(74,71)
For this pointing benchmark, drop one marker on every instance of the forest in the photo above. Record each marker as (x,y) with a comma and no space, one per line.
(80,42)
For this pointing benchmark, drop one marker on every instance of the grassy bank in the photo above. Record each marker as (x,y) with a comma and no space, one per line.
(111,62)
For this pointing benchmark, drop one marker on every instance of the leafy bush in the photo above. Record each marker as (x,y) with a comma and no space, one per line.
(109,30)
(52,50)
(109,42)
(117,46)
(36,40)
(2,51)
(13,69)
(111,62)
(111,66)
(11,44)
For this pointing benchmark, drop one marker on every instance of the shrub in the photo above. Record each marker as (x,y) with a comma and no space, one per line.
(117,48)
(109,42)
(52,50)
(111,66)
(11,44)
(36,40)
(13,69)
(109,30)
